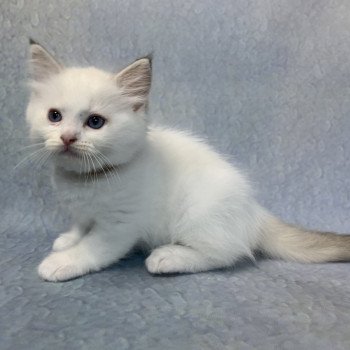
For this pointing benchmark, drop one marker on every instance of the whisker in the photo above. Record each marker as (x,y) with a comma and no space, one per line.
(94,179)
(50,155)
(45,158)
(84,166)
(81,163)
(29,157)
(101,165)
(39,159)
(87,164)
(113,172)
(24,148)
(108,162)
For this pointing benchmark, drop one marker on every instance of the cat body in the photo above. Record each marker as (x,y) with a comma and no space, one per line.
(176,191)
(127,184)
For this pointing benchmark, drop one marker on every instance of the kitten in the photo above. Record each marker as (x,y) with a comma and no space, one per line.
(128,184)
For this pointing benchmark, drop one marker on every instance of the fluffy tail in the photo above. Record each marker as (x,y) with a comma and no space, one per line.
(281,240)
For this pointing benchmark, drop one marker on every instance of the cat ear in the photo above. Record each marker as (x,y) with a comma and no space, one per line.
(41,64)
(135,81)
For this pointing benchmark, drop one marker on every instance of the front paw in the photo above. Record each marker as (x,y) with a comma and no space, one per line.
(65,241)
(59,266)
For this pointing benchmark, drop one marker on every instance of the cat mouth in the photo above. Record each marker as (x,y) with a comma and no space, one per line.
(68,152)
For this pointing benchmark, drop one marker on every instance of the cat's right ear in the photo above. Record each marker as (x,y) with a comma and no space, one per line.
(42,65)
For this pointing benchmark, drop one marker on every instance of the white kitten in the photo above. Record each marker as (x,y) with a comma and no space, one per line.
(126,184)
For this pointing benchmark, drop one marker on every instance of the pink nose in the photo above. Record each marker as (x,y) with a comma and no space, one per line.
(68,139)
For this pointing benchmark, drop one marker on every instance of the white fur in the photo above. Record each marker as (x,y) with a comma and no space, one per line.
(171,192)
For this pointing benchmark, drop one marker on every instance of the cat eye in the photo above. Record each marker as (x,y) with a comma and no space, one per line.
(54,115)
(95,121)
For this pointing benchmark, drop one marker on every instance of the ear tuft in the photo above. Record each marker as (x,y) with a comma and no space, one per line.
(42,65)
(135,81)
(148,57)
(32,42)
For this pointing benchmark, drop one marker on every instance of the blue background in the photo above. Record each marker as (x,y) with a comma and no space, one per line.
(267,83)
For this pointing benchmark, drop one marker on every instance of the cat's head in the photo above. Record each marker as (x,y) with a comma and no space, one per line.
(85,115)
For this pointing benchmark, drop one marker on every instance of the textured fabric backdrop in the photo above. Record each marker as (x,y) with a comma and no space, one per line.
(267,83)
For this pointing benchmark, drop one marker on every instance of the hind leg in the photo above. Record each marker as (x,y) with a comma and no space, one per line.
(173,258)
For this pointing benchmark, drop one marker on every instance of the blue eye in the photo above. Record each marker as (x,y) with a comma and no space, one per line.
(95,121)
(54,115)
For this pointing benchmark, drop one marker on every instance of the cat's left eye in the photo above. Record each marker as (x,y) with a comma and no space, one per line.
(95,121)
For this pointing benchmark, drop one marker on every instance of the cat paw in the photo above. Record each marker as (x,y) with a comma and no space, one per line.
(64,241)
(165,260)
(59,266)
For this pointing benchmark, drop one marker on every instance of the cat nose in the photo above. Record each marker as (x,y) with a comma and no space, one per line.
(68,139)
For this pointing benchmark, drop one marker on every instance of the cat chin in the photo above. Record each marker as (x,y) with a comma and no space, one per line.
(71,162)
